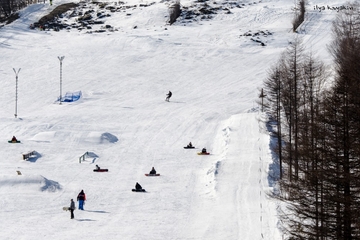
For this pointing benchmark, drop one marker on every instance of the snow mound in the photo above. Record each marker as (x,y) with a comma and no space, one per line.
(97,137)
(44,136)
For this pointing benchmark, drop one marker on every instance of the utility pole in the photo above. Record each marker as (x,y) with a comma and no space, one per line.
(262,95)
(16,89)
(61,59)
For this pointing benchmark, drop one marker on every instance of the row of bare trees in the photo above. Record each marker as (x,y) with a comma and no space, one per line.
(318,133)
(8,7)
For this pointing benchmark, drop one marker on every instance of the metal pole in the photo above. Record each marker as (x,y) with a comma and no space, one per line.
(61,59)
(16,89)
(262,95)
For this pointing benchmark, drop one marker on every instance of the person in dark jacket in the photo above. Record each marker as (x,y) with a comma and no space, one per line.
(14,139)
(72,208)
(81,199)
(153,171)
(138,186)
(97,167)
(203,150)
(168,96)
(190,145)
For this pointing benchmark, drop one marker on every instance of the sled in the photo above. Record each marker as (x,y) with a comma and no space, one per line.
(152,175)
(14,141)
(201,153)
(67,208)
(138,190)
(187,147)
(101,170)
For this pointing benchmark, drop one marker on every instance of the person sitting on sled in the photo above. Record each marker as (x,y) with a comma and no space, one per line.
(153,171)
(203,150)
(189,145)
(97,167)
(14,139)
(138,186)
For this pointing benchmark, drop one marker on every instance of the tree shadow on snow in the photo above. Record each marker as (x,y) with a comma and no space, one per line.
(274,167)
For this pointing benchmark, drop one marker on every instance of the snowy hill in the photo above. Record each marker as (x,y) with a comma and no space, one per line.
(214,69)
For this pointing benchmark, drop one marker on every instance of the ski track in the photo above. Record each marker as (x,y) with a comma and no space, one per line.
(238,203)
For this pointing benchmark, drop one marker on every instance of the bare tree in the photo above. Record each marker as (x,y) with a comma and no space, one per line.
(291,95)
(346,100)
(8,7)
(174,11)
(324,199)
(299,14)
(323,142)
(303,194)
(273,87)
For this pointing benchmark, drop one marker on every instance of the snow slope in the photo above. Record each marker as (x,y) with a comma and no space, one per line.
(122,120)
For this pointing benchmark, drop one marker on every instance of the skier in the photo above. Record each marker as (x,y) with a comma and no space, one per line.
(138,186)
(203,150)
(153,171)
(72,208)
(168,96)
(189,145)
(81,198)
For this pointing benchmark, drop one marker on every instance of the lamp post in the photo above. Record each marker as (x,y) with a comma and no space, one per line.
(16,87)
(60,59)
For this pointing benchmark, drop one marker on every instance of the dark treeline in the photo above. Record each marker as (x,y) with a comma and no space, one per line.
(318,132)
(8,7)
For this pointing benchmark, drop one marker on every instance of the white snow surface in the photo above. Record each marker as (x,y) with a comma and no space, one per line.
(126,126)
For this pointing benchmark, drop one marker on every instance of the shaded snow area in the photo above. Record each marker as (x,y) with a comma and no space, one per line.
(213,59)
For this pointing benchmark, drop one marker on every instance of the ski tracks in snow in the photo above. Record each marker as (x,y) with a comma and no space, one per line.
(226,192)
(312,31)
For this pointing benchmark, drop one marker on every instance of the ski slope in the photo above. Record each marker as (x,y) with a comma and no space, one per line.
(122,120)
